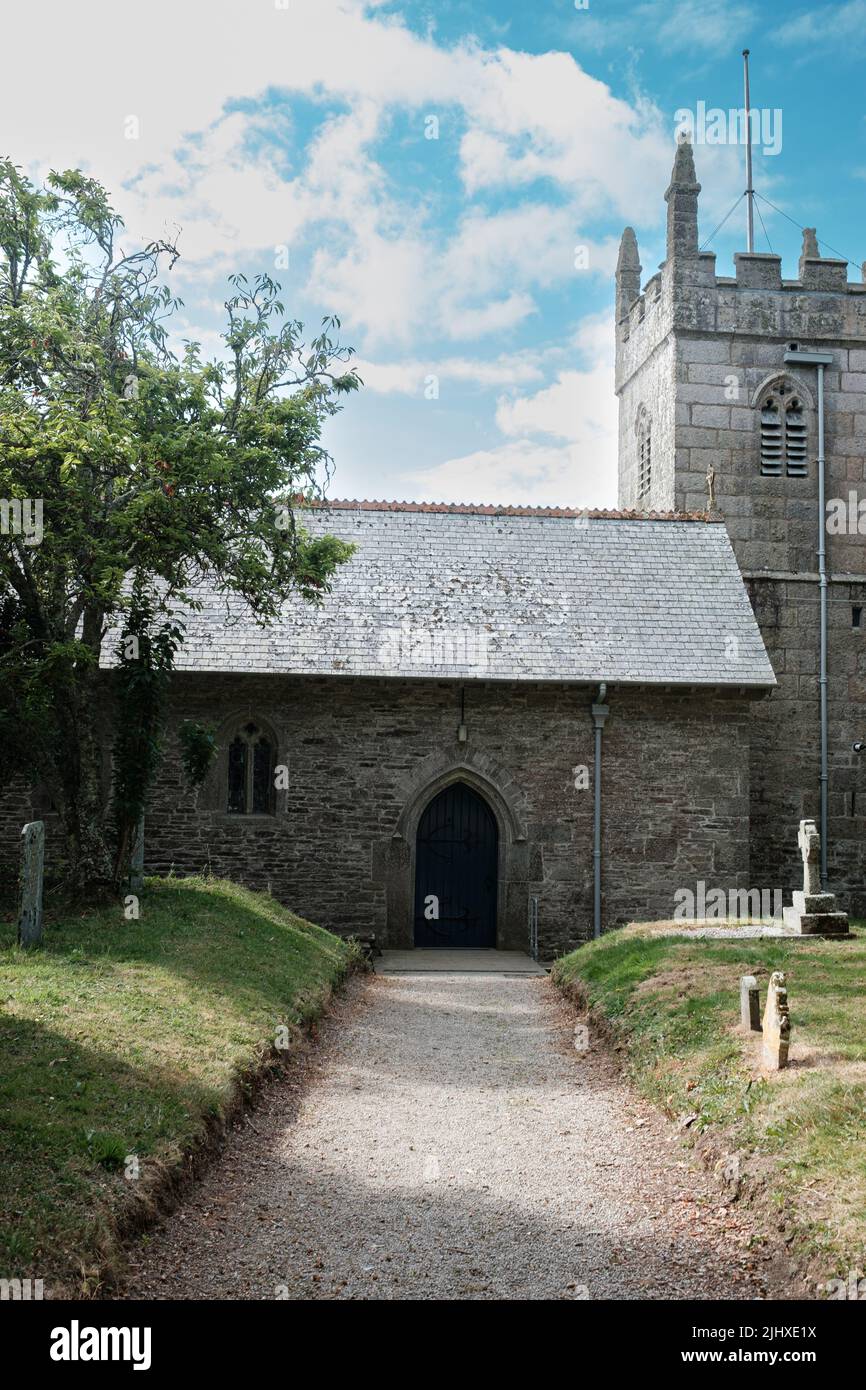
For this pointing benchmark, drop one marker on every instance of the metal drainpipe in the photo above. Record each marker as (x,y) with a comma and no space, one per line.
(821,360)
(600,712)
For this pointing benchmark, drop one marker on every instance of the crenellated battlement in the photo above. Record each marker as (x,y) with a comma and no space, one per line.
(687,296)
(694,353)
(822,303)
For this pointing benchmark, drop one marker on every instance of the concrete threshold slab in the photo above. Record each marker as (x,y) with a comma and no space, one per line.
(445,962)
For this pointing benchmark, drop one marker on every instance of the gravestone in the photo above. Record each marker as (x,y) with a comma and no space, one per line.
(777,1023)
(750,1005)
(813,912)
(32,866)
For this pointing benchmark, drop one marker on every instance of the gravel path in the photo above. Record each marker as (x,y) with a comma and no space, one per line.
(446,1140)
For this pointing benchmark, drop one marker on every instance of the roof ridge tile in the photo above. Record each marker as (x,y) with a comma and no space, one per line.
(493,509)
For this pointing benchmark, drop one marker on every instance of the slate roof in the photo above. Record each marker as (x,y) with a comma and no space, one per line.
(525,594)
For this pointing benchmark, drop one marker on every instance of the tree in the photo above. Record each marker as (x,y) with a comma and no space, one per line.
(128,473)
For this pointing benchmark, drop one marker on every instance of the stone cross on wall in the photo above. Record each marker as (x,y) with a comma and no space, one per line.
(810,844)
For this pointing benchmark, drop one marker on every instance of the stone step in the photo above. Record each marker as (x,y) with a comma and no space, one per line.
(817,923)
(814,902)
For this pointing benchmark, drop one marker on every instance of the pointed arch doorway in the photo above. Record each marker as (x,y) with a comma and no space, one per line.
(456,857)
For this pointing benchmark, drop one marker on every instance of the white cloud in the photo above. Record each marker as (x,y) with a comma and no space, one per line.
(686,25)
(579,406)
(239,181)
(541,116)
(392,287)
(409,377)
(519,472)
(496,316)
(690,26)
(841,26)
(377,285)
(578,411)
(531,245)
(222,153)
(595,340)
(185,60)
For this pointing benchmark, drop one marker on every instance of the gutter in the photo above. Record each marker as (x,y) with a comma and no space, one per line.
(600,712)
(821,360)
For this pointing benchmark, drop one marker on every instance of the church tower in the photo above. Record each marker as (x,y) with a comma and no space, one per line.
(719,409)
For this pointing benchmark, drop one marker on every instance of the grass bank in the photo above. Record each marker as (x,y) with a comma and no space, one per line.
(126,1046)
(672,1004)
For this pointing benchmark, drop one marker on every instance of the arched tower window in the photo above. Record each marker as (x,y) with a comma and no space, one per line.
(784,432)
(250,771)
(643,430)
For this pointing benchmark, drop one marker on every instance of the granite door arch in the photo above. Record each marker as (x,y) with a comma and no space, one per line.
(456,871)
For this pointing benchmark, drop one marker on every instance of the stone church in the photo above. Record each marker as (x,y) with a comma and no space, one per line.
(510,724)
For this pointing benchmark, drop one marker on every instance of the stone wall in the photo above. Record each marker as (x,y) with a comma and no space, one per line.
(728,336)
(785,762)
(773,524)
(364,757)
(645,370)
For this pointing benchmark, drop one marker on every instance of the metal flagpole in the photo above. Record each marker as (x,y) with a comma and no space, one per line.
(750,192)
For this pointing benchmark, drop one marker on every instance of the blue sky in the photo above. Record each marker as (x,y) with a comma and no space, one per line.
(472,271)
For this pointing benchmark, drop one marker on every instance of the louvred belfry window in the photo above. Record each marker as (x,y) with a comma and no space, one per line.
(251,756)
(784,433)
(795,440)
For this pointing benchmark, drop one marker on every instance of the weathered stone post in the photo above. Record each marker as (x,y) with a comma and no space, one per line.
(32,868)
(777,1023)
(136,859)
(810,845)
(750,1005)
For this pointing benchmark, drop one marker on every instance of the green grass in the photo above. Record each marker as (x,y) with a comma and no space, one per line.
(125,1039)
(673,1004)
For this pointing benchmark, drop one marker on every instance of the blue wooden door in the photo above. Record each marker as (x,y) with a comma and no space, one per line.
(455,871)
